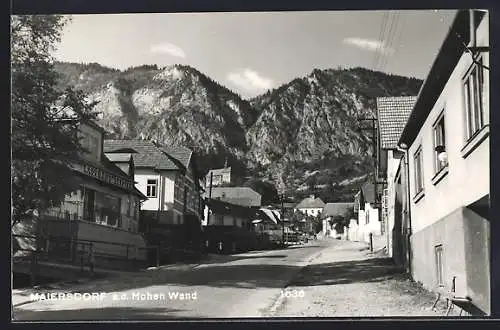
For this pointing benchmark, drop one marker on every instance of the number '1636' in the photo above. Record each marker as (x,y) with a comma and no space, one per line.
(293,293)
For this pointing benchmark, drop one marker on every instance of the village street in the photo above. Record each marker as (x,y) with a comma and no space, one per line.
(327,278)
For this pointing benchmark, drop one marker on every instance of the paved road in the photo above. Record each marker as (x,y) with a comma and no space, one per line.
(244,285)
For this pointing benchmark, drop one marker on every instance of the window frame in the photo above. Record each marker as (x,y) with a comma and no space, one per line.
(439,263)
(155,185)
(479,83)
(440,170)
(419,185)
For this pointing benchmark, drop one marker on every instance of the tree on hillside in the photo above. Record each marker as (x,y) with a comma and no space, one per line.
(267,190)
(44,119)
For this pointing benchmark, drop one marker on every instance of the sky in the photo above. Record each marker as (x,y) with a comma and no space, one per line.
(253,52)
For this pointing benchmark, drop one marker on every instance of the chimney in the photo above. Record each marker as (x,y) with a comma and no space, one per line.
(311,196)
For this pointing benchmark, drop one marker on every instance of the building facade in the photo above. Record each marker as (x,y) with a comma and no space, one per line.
(447,142)
(392,115)
(311,206)
(243,196)
(102,215)
(229,227)
(368,213)
(330,212)
(218,177)
(167,176)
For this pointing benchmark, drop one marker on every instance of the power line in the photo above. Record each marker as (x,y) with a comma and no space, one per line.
(384,40)
(380,35)
(394,28)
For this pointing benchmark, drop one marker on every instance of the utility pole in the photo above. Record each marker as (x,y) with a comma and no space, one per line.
(282,190)
(283,216)
(373,128)
(210,195)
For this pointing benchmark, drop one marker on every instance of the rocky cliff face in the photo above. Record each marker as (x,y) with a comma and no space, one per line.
(312,123)
(305,132)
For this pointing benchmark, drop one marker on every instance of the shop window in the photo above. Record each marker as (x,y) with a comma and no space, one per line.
(108,210)
(89,205)
(152,188)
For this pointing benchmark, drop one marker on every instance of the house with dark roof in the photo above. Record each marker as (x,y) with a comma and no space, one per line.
(330,212)
(244,196)
(167,176)
(100,218)
(229,227)
(446,170)
(367,211)
(311,205)
(392,115)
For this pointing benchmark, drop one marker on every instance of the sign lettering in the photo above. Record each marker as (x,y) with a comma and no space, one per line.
(107,177)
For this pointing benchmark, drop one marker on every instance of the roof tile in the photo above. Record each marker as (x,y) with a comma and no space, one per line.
(147,153)
(392,114)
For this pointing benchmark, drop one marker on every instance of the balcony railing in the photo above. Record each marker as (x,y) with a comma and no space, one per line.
(74,210)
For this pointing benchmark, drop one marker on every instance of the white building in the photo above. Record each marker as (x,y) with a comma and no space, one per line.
(365,206)
(447,143)
(330,212)
(312,206)
(218,177)
(392,115)
(167,177)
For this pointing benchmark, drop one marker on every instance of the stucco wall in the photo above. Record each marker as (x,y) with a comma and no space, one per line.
(468,178)
(92,231)
(464,236)
(166,187)
(477,258)
(392,167)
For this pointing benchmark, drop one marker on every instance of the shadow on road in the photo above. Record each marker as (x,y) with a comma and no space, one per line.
(368,270)
(265,275)
(108,314)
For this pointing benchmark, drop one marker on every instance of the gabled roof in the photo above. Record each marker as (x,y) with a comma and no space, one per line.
(237,195)
(119,157)
(392,114)
(223,207)
(334,209)
(219,171)
(148,154)
(268,215)
(310,203)
(182,154)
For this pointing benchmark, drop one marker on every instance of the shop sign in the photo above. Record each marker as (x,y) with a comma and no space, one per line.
(107,177)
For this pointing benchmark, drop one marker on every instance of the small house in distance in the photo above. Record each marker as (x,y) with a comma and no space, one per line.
(330,212)
(365,207)
(218,177)
(311,206)
(243,196)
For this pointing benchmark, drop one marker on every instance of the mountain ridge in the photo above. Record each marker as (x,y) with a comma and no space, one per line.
(305,124)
